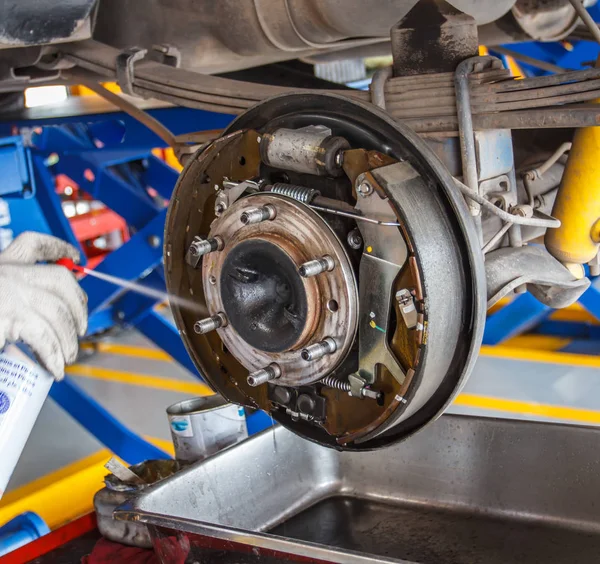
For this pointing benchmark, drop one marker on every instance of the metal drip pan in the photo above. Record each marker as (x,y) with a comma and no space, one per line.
(464,490)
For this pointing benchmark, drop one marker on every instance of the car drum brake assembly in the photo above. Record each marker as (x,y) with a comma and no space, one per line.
(337,266)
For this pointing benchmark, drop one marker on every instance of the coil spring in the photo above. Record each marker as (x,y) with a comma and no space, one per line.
(332,382)
(300,193)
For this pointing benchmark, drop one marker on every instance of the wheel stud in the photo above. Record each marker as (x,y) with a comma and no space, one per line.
(319,350)
(209,324)
(258,215)
(266,374)
(317,266)
(200,247)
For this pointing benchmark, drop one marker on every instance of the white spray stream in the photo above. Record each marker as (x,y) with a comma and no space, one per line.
(145,290)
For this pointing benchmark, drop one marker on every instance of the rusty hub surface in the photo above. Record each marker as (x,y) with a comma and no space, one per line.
(300,234)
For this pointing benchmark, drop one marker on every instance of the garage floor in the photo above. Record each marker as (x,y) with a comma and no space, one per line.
(136,382)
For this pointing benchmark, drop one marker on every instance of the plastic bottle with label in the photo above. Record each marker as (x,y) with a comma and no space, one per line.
(24,387)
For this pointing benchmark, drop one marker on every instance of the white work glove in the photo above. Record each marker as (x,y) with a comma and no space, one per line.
(42,305)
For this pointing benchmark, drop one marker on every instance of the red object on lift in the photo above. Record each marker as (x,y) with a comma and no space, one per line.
(99,231)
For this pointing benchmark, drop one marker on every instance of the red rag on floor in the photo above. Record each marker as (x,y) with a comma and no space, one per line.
(108,552)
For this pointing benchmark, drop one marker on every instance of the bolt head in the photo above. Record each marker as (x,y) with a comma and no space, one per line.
(354,240)
(364,189)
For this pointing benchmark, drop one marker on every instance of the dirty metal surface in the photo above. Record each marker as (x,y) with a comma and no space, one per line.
(464,490)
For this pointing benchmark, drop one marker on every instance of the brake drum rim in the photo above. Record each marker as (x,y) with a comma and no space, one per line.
(405,141)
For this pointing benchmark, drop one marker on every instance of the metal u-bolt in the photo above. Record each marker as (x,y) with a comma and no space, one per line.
(266,374)
(258,215)
(209,324)
(319,350)
(316,266)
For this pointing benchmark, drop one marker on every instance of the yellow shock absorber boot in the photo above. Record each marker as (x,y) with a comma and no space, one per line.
(577,204)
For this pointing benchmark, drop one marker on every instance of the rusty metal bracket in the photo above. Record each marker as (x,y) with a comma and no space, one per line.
(167,54)
(125,63)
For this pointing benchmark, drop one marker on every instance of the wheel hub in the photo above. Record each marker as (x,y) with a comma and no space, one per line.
(273,311)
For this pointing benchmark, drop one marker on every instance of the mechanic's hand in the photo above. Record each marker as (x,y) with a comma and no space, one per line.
(41,304)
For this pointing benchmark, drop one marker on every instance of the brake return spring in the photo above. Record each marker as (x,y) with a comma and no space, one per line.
(299,193)
(332,382)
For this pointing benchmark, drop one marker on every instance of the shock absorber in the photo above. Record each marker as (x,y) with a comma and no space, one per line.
(577,204)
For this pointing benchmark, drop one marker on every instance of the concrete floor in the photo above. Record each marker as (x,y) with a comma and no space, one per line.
(546,384)
(522,386)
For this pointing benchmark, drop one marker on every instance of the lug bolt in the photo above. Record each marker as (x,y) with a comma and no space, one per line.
(266,374)
(209,324)
(201,247)
(355,241)
(258,215)
(314,267)
(319,350)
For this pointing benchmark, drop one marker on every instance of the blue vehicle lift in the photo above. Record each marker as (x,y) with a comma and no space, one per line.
(109,155)
(567,55)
